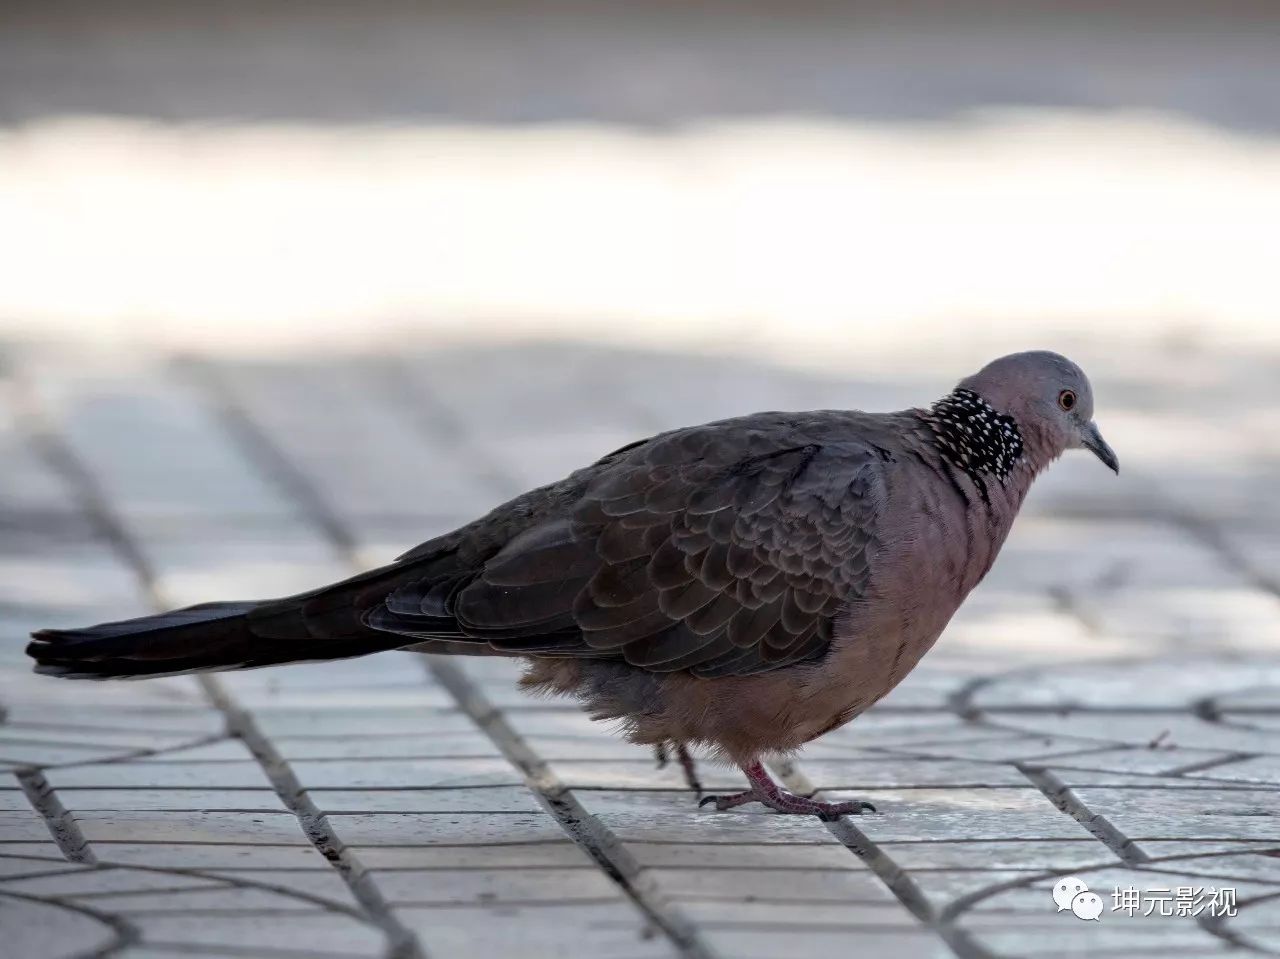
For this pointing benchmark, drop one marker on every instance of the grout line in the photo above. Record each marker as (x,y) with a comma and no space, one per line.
(258,449)
(585,829)
(34,424)
(1211,536)
(428,415)
(61,824)
(895,877)
(402,942)
(1061,795)
(437,422)
(124,933)
(1214,763)
(62,458)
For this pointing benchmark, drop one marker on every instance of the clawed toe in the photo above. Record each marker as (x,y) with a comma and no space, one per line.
(768,793)
(723,803)
(834,810)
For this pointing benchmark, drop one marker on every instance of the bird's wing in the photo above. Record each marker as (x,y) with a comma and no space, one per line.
(722,550)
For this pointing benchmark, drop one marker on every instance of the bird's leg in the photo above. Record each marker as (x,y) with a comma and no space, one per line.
(764,790)
(690,769)
(687,764)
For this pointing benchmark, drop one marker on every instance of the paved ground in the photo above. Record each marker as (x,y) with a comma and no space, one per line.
(1105,705)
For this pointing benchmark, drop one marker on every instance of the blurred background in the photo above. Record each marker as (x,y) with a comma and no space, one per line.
(802,177)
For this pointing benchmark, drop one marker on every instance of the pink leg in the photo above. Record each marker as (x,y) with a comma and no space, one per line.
(690,769)
(764,790)
(687,765)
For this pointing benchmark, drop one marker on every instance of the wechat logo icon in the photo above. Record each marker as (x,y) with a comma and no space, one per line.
(1071,893)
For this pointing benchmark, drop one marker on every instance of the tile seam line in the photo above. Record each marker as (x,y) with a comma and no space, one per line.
(1065,800)
(585,829)
(897,879)
(62,826)
(399,383)
(61,457)
(260,452)
(402,944)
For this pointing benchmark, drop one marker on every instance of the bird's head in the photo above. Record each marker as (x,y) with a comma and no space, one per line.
(1050,400)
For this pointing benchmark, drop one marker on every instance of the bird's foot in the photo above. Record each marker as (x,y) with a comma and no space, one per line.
(766,792)
(687,765)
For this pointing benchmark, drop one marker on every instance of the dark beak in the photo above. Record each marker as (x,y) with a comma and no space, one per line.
(1094,442)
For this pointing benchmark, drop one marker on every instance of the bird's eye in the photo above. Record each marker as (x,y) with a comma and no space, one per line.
(1067,400)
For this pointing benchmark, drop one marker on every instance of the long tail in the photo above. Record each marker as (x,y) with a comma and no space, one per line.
(212,636)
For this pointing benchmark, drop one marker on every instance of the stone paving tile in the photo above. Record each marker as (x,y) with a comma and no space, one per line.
(641,817)
(1032,854)
(759,885)
(993,813)
(22,827)
(1198,847)
(118,741)
(1001,747)
(47,851)
(180,952)
(1156,684)
(1264,867)
(640,774)
(359,724)
(108,880)
(508,853)
(452,829)
(232,900)
(31,927)
(1164,727)
(79,716)
(406,773)
(210,776)
(323,884)
(678,853)
(13,867)
(275,829)
(762,943)
(1169,813)
(142,799)
(604,930)
(221,751)
(13,799)
(226,856)
(1115,765)
(538,884)
(1149,941)
(19,753)
(483,799)
(735,912)
(327,934)
(422,745)
(1258,769)
(881,771)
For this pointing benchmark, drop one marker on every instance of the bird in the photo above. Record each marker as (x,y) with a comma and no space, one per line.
(737,588)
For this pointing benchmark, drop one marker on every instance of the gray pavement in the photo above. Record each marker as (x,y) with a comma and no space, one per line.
(1104,707)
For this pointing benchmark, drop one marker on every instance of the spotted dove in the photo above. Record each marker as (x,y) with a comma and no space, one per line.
(743,586)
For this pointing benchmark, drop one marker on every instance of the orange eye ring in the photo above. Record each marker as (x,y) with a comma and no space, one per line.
(1067,400)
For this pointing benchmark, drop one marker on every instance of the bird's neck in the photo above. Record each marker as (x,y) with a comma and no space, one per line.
(973,437)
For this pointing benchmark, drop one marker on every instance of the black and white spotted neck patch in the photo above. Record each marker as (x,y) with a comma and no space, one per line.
(973,436)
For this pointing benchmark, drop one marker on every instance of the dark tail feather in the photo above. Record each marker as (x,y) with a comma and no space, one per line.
(212,636)
(209,636)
